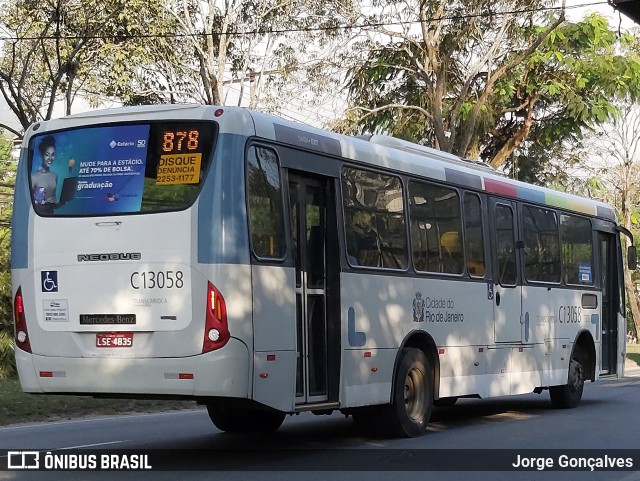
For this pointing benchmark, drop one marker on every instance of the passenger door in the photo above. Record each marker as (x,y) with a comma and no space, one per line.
(507,295)
(609,283)
(314,238)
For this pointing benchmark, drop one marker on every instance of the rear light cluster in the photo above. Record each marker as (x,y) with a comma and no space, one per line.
(216,331)
(20,326)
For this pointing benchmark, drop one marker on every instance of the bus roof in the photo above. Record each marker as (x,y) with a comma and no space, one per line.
(376,151)
(403,156)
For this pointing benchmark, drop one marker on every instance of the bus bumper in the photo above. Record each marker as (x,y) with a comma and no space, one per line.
(218,373)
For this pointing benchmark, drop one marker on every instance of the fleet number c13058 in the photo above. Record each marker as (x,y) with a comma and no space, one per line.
(157,280)
(570,314)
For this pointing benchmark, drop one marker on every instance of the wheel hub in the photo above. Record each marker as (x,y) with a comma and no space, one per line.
(576,376)
(414,398)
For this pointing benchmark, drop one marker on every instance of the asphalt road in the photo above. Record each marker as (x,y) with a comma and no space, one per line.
(608,418)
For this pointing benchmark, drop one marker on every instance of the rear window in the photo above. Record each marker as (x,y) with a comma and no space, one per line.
(119,169)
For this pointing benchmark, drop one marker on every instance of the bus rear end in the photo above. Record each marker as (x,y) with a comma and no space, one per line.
(119,276)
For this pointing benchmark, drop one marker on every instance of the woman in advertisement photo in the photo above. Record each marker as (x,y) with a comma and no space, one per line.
(44,181)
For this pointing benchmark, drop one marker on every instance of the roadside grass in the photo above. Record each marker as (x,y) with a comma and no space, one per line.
(18,407)
(633,353)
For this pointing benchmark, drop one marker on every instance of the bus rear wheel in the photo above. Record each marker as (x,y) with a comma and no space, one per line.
(412,400)
(235,419)
(568,396)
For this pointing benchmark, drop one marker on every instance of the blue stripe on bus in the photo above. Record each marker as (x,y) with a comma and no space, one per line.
(595,320)
(222,226)
(531,195)
(356,338)
(20,219)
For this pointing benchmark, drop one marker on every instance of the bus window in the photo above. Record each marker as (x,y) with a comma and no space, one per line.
(473,235)
(542,245)
(577,250)
(374,219)
(264,192)
(505,246)
(436,232)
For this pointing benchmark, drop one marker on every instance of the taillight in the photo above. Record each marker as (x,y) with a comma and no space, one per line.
(20,326)
(216,330)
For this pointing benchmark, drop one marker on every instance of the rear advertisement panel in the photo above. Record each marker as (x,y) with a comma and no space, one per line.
(119,169)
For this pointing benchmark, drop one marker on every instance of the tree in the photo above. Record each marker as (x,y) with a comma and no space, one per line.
(570,83)
(139,58)
(479,78)
(611,156)
(250,51)
(55,48)
(7,182)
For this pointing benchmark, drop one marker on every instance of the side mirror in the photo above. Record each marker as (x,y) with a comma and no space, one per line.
(632,258)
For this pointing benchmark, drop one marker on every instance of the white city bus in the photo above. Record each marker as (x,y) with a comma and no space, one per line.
(262,267)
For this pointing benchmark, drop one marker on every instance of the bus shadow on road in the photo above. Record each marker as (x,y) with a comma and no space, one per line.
(306,442)
(469,412)
(336,431)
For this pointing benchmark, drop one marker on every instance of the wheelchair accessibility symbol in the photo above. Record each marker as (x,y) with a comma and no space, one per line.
(49,281)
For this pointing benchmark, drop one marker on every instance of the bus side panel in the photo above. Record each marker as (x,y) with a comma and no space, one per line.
(274,324)
(274,379)
(463,369)
(551,318)
(367,376)
(379,314)
(222,218)
(386,309)
(559,352)
(491,370)
(21,219)
(527,366)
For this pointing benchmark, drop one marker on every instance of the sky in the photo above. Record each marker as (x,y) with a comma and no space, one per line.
(576,9)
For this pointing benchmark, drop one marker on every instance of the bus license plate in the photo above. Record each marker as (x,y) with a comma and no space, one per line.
(114,339)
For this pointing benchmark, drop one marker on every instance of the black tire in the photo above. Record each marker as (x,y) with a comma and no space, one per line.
(266,421)
(232,419)
(366,420)
(568,395)
(221,417)
(445,402)
(412,400)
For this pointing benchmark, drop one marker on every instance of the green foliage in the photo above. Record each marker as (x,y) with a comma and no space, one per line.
(252,49)
(7,180)
(56,48)
(7,361)
(635,216)
(161,51)
(574,78)
(431,86)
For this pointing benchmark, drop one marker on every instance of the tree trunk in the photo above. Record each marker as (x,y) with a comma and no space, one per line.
(632,293)
(520,136)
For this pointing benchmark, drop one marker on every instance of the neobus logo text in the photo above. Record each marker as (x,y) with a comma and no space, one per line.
(113,256)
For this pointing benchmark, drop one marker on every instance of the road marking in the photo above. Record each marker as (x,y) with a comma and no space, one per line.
(104,418)
(88,445)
